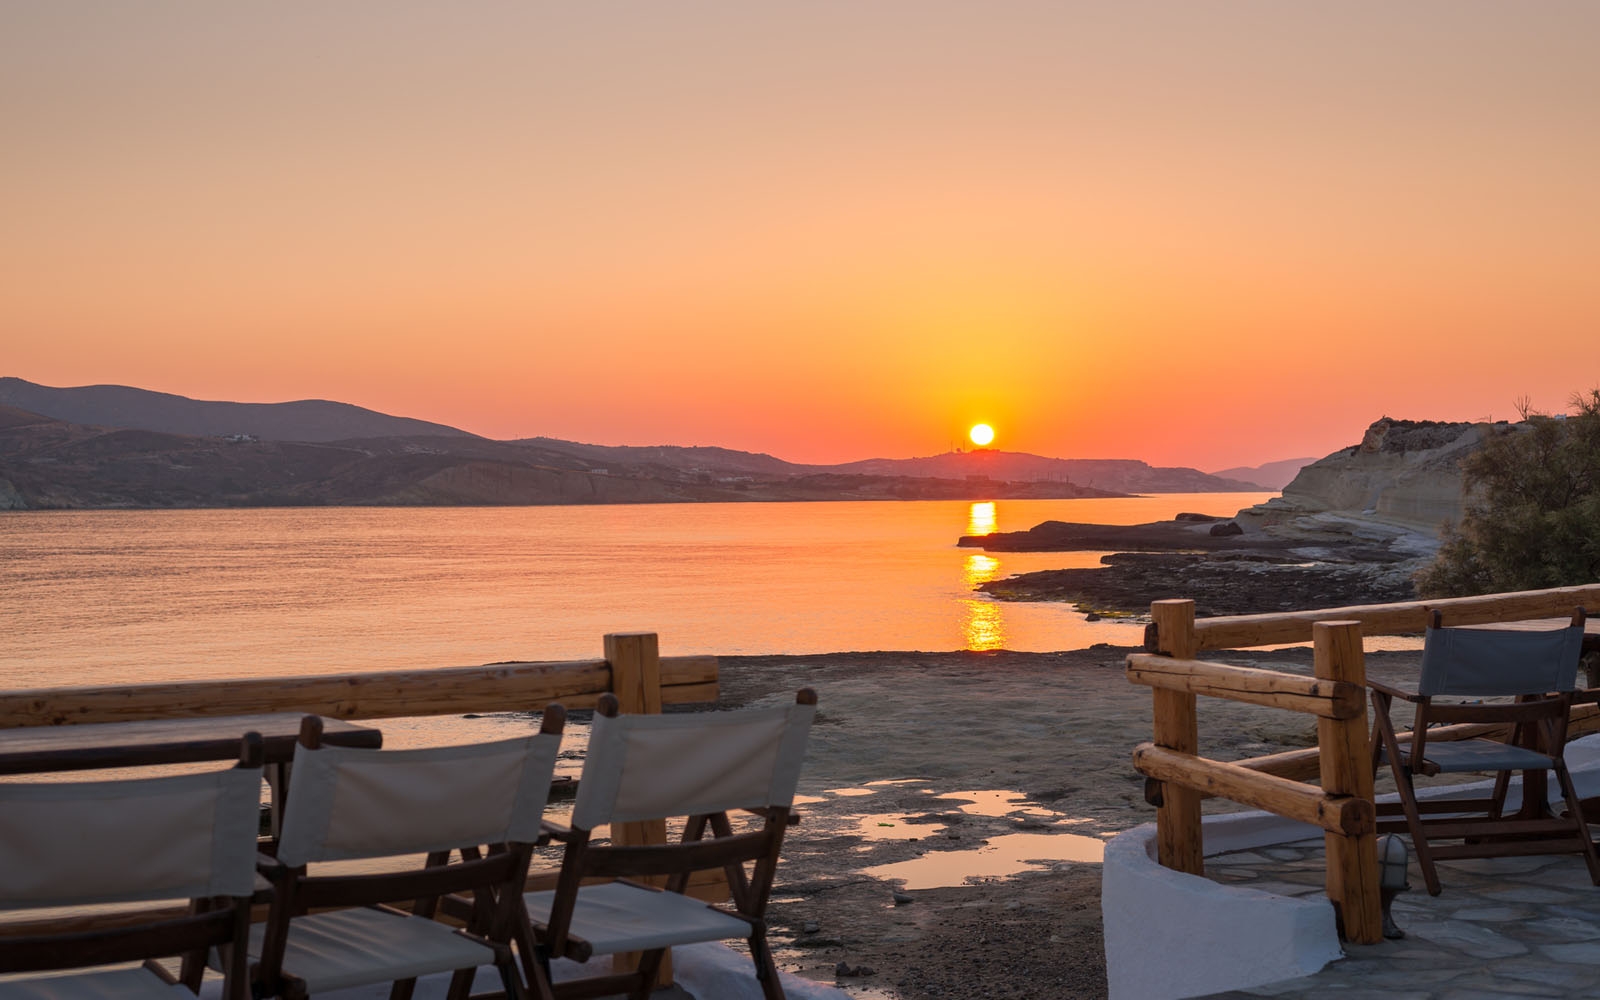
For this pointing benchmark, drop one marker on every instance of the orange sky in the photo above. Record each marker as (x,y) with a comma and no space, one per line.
(1198,234)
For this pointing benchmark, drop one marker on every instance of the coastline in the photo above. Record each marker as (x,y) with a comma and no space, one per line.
(903,733)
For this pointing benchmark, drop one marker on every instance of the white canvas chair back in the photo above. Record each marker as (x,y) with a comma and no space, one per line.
(1492,662)
(355,803)
(69,844)
(641,767)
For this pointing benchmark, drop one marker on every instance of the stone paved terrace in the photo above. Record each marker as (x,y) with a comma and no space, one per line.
(1503,927)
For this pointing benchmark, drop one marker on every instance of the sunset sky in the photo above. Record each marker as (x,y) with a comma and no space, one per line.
(1204,234)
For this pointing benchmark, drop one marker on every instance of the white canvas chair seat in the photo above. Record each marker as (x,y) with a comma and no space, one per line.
(109,984)
(330,951)
(616,916)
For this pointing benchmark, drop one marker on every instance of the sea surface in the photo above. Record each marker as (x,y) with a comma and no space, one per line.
(114,597)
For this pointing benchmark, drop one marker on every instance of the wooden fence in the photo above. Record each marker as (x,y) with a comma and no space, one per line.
(1178,777)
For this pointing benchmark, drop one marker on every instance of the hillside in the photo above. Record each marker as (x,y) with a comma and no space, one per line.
(117,446)
(1270,476)
(52,464)
(313,420)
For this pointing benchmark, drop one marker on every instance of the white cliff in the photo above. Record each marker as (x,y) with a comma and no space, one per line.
(1395,489)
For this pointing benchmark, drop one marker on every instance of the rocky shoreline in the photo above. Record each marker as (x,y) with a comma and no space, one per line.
(1352,528)
(1228,583)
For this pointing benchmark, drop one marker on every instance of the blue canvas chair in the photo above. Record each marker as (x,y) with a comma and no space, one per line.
(1533,675)
(189,837)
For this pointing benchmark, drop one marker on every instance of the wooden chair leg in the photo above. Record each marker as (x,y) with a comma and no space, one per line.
(649,966)
(461,984)
(766,969)
(1575,810)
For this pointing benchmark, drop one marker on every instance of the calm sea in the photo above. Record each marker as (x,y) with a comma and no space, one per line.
(106,597)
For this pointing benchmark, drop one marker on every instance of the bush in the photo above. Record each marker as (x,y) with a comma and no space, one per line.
(1532,515)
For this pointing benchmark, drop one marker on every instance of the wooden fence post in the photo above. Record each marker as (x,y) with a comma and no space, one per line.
(1178,818)
(1352,879)
(635,659)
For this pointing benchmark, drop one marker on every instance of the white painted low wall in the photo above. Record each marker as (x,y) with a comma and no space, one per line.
(1170,935)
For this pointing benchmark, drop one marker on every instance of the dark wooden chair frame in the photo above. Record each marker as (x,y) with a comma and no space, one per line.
(724,848)
(487,886)
(1537,721)
(221,922)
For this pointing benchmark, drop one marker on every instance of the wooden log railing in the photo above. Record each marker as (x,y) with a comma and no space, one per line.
(1178,778)
(384,694)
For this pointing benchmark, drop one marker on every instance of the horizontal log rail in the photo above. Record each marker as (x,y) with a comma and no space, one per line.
(1341,814)
(1305,764)
(1329,699)
(1245,631)
(370,695)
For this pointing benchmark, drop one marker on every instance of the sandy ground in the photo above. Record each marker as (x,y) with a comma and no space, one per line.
(900,737)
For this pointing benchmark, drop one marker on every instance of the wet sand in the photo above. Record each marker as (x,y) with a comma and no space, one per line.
(899,737)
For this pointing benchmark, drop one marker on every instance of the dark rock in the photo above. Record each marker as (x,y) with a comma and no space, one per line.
(1225,529)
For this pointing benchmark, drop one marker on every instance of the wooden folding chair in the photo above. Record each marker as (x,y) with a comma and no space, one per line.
(411,809)
(700,766)
(189,837)
(1533,673)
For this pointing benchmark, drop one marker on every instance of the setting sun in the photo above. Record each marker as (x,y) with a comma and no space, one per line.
(981,435)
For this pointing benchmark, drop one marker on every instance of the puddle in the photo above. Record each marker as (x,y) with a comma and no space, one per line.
(998,803)
(1001,856)
(892,826)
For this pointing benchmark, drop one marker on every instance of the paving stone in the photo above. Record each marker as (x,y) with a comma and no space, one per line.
(1587,953)
(1572,980)
(1493,914)
(1497,867)
(1469,937)
(1528,894)
(1494,991)
(1563,928)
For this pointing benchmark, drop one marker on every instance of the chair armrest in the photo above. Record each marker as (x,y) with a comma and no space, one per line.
(1394,692)
(1585,696)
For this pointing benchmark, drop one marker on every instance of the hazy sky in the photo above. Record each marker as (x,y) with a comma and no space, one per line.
(1197,233)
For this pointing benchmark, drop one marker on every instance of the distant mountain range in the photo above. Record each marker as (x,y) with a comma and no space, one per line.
(1271,476)
(116,446)
(142,409)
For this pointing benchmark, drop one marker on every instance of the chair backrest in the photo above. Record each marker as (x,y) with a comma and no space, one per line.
(346,802)
(644,767)
(1496,662)
(181,837)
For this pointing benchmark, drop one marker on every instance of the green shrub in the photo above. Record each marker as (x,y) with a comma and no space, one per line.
(1532,515)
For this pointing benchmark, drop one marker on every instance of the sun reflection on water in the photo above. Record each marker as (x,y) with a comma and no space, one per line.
(985,624)
(981,518)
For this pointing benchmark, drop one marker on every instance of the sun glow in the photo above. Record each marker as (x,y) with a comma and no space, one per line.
(981,435)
